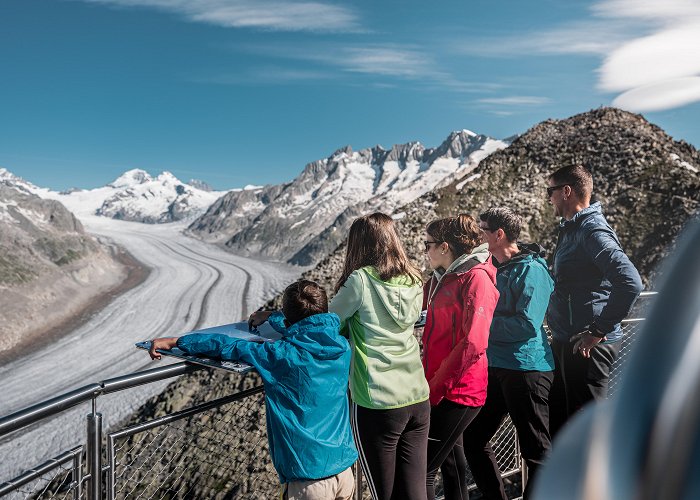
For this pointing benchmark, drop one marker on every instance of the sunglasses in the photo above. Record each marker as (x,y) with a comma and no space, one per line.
(550,190)
(427,244)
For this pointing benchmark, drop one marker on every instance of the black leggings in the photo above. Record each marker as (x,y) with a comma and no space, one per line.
(392,445)
(448,420)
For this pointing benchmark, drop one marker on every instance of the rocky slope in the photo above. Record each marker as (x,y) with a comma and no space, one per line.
(49,267)
(284,221)
(649,185)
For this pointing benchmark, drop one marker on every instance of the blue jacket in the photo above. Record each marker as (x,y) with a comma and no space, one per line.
(306,392)
(594,281)
(517,340)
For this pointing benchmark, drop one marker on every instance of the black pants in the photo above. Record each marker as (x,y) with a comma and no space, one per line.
(392,445)
(578,380)
(525,396)
(447,423)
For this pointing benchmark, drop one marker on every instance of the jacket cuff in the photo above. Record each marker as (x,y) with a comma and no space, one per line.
(596,332)
(180,344)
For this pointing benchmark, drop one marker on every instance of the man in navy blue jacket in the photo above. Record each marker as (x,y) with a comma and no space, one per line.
(595,286)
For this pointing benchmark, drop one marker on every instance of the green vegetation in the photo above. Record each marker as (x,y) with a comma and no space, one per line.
(11,273)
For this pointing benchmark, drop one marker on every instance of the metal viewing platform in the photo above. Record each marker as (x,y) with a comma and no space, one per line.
(216,449)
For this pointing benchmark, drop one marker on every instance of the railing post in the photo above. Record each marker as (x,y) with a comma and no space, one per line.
(77,476)
(111,471)
(94,453)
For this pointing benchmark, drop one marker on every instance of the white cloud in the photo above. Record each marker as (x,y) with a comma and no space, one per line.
(670,10)
(393,60)
(650,49)
(592,37)
(668,54)
(385,60)
(659,96)
(523,100)
(656,71)
(267,75)
(280,15)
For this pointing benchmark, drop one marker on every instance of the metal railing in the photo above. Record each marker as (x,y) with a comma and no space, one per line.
(217,449)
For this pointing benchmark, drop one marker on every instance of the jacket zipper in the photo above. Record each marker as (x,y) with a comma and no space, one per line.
(453,331)
(571,313)
(427,340)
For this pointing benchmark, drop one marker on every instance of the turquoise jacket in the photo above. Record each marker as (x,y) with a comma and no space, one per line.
(306,381)
(518,340)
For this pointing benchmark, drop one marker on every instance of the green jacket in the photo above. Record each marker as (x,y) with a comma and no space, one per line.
(378,317)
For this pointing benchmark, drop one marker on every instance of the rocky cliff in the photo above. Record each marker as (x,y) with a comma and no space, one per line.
(49,268)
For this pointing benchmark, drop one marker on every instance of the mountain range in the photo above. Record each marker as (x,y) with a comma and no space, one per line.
(647,183)
(301,221)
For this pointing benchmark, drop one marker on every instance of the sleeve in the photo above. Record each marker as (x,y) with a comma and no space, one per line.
(348,299)
(479,301)
(533,288)
(276,321)
(605,251)
(264,356)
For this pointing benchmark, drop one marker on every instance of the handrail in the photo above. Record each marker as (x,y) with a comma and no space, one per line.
(36,412)
(38,471)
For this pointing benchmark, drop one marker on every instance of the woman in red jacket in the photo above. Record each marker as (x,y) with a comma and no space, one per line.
(460,299)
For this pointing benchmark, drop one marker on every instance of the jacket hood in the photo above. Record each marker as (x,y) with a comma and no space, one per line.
(534,249)
(319,334)
(399,296)
(465,262)
(529,252)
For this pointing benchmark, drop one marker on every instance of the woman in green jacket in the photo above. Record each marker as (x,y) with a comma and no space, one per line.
(378,298)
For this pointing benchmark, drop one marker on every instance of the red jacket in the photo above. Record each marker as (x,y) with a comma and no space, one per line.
(460,308)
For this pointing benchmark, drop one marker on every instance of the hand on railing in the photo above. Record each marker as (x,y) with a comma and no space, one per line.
(166,343)
(258,318)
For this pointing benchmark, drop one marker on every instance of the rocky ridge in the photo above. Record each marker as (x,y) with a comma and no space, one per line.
(49,267)
(283,222)
(648,184)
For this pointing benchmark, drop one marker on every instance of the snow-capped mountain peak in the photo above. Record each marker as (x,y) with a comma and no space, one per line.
(285,221)
(131,178)
(15,182)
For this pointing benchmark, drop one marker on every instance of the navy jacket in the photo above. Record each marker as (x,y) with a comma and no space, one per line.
(594,281)
(306,383)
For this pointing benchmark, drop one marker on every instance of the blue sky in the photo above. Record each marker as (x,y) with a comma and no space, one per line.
(238,92)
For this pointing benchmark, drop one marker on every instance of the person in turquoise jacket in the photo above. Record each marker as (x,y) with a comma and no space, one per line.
(306,378)
(520,360)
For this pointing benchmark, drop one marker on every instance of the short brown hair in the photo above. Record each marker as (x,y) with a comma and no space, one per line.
(302,299)
(576,176)
(503,218)
(461,233)
(373,241)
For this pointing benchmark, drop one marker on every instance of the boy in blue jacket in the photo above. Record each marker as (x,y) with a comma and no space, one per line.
(306,380)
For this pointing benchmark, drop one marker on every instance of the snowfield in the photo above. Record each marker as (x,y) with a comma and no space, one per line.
(191,285)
